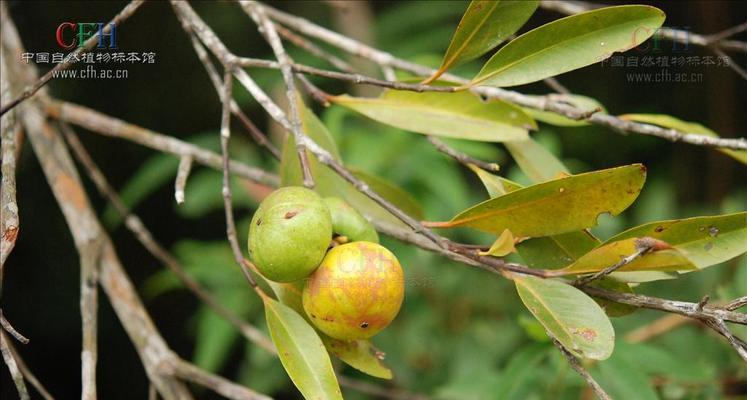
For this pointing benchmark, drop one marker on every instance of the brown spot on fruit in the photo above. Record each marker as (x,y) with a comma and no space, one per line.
(290,214)
(659,229)
(364,325)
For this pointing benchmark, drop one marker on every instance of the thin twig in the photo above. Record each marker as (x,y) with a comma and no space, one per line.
(182,173)
(29,91)
(9,222)
(268,31)
(95,121)
(642,247)
(27,374)
(315,50)
(10,362)
(182,369)
(254,132)
(11,330)
(537,102)
(145,237)
(736,303)
(225,136)
(463,158)
(576,365)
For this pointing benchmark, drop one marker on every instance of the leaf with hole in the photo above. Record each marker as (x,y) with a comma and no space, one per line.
(558,206)
(569,43)
(570,316)
(301,352)
(484,25)
(460,115)
(703,241)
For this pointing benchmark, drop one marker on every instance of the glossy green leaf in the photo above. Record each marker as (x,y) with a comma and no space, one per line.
(611,253)
(667,121)
(570,43)
(502,246)
(484,25)
(558,206)
(460,115)
(578,101)
(535,161)
(301,352)
(703,241)
(571,316)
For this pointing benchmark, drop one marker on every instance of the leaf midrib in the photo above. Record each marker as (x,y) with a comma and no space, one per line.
(449,62)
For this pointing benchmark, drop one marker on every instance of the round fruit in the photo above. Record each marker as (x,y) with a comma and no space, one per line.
(356,291)
(289,234)
(348,222)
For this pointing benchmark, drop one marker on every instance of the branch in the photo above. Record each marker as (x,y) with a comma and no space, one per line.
(543,103)
(29,90)
(27,374)
(576,365)
(463,158)
(643,246)
(10,361)
(268,31)
(182,173)
(225,135)
(254,132)
(103,124)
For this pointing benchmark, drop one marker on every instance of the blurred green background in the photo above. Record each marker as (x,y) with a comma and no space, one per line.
(462,334)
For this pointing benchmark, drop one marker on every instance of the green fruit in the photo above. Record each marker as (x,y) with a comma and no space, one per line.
(348,222)
(356,291)
(289,234)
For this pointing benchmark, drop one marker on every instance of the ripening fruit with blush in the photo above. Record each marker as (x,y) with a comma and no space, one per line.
(348,222)
(289,234)
(356,291)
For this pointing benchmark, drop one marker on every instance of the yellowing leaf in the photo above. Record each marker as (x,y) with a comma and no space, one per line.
(301,352)
(569,43)
(484,25)
(667,121)
(460,115)
(504,245)
(668,259)
(571,316)
(558,206)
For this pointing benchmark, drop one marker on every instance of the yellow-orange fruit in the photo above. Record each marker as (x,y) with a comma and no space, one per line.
(356,291)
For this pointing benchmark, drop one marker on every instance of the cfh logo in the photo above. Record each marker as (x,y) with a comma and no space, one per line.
(72,34)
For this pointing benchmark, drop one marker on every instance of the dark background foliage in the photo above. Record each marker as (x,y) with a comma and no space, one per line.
(460,334)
